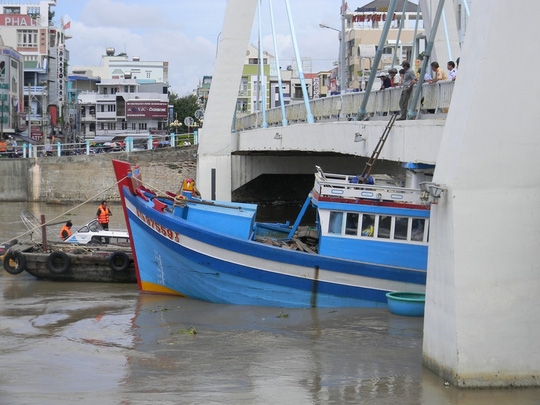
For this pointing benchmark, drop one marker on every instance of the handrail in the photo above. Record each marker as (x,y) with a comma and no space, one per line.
(56,149)
(435,97)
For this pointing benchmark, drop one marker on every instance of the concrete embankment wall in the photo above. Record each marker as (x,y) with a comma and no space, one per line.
(14,179)
(82,178)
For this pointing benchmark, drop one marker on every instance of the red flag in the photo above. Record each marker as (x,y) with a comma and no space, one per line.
(67,25)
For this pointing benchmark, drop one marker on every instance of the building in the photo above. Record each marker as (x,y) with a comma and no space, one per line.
(119,98)
(363,29)
(11,90)
(116,66)
(29,28)
(250,92)
(203,90)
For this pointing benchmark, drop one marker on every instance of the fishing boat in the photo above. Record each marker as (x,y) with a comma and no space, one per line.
(367,240)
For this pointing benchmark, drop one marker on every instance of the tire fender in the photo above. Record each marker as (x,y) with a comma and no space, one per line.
(119,261)
(16,257)
(58,262)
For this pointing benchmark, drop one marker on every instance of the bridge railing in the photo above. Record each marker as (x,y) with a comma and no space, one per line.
(56,149)
(434,98)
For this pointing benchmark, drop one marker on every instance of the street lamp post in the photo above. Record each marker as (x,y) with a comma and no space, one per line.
(342,82)
(176,124)
(343,85)
(341,57)
(188,122)
(195,131)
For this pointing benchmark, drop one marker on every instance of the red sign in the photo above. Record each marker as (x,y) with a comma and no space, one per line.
(17,20)
(147,109)
(36,133)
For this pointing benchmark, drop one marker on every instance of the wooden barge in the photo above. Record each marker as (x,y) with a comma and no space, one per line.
(69,262)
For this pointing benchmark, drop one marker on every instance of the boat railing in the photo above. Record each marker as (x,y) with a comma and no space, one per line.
(331,185)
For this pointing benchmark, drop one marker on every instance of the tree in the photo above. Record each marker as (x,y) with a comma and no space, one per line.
(183,107)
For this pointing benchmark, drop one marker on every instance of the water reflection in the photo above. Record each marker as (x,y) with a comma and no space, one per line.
(263,355)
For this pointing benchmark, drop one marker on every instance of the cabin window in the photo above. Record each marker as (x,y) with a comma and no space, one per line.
(418,227)
(336,221)
(351,226)
(368,225)
(385,225)
(401,228)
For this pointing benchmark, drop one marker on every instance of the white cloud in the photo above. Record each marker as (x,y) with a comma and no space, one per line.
(185,33)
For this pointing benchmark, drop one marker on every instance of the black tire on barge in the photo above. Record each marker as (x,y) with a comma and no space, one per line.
(14,256)
(58,262)
(119,261)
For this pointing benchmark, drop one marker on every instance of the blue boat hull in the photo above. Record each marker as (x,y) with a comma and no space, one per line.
(174,256)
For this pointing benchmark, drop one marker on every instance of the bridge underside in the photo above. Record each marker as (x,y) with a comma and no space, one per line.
(264,176)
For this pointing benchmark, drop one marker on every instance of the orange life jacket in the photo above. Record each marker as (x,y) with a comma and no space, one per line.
(67,230)
(103,217)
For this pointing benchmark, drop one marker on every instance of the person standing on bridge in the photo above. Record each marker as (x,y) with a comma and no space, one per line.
(385,81)
(451,70)
(409,80)
(394,79)
(439,74)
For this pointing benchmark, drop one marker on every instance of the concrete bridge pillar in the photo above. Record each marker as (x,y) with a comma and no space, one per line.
(216,139)
(482,320)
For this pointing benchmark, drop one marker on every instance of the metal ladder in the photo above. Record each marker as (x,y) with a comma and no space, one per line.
(377,151)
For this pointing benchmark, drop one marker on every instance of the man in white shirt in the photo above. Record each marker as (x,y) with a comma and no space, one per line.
(452,70)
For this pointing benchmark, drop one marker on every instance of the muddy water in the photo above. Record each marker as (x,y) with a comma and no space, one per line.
(91,343)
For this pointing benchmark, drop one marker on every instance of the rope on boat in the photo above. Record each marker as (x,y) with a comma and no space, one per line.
(49,222)
(180,201)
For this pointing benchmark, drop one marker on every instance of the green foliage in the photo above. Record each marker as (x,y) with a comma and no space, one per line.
(183,107)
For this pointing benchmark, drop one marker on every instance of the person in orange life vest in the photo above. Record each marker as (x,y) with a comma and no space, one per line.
(65,232)
(189,190)
(103,214)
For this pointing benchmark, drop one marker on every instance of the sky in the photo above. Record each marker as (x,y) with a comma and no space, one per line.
(185,33)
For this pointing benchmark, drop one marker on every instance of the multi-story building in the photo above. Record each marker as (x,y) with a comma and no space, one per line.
(363,30)
(120,98)
(30,29)
(250,92)
(11,90)
(116,66)
(203,90)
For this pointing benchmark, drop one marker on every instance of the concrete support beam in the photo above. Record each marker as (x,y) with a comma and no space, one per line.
(216,137)
(482,321)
